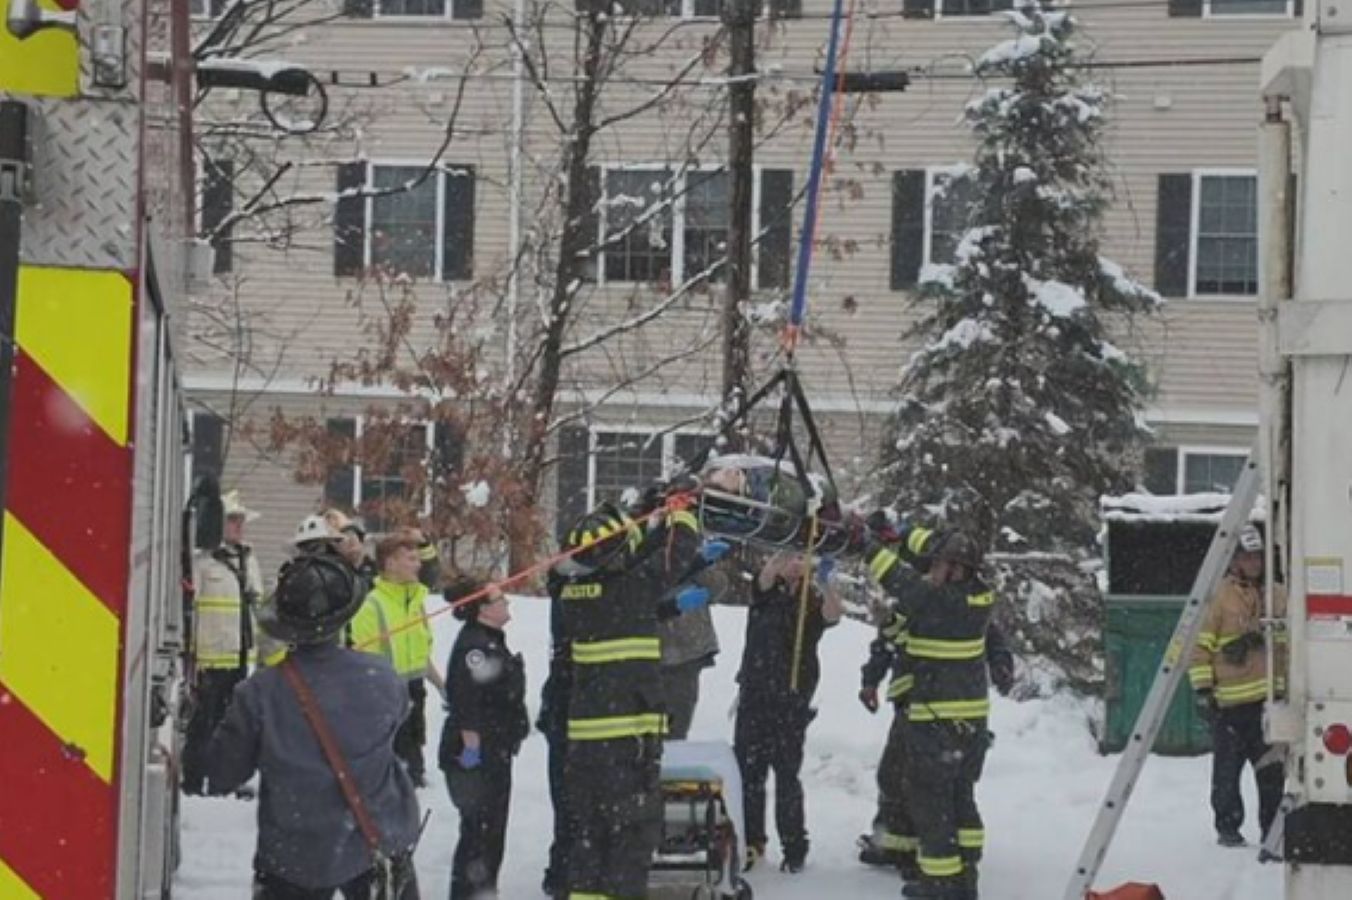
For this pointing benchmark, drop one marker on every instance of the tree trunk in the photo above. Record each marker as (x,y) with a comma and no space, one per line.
(740,16)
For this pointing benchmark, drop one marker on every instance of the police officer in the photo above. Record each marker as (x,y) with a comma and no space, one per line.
(485,725)
(946,612)
(620,577)
(308,845)
(227,586)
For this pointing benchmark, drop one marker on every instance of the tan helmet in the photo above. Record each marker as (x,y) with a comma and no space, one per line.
(1250,540)
(235,508)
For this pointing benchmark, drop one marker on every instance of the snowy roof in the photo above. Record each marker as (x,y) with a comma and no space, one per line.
(1172,508)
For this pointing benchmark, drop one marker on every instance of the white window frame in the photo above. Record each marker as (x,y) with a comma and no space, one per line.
(1194,234)
(987,18)
(932,174)
(1288,13)
(688,11)
(439,249)
(378,14)
(677,246)
(668,448)
(1202,450)
(429,433)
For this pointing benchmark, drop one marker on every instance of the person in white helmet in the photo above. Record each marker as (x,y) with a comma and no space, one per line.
(1229,672)
(227,588)
(315,535)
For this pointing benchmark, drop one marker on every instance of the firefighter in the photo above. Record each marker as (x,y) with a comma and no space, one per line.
(311,839)
(612,590)
(553,724)
(227,586)
(352,545)
(392,623)
(892,841)
(314,535)
(485,724)
(1229,672)
(778,677)
(946,612)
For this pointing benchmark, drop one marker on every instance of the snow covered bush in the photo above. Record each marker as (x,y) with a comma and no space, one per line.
(1017,412)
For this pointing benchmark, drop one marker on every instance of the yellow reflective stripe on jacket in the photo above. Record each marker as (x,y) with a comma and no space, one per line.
(609,728)
(217,604)
(895,629)
(948,710)
(1207,641)
(917,539)
(684,518)
(1201,676)
(983,599)
(940,866)
(905,843)
(618,650)
(900,687)
(971,838)
(217,660)
(1241,692)
(935,648)
(881,564)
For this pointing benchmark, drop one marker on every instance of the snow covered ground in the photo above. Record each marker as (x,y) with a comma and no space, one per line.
(1043,782)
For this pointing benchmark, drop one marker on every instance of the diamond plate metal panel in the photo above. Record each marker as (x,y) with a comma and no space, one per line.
(84,185)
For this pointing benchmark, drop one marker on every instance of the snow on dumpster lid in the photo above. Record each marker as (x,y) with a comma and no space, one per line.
(1172,508)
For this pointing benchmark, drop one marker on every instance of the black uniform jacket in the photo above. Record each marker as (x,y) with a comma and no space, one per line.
(486,693)
(771,636)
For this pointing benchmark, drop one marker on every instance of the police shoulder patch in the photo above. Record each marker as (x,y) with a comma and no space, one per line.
(475,659)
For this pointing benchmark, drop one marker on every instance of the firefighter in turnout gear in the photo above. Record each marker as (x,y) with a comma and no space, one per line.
(486,722)
(892,841)
(227,586)
(393,623)
(611,592)
(945,610)
(1229,672)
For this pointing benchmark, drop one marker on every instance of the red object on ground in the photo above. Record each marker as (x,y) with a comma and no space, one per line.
(1133,891)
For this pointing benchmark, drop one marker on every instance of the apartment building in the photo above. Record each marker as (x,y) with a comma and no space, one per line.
(1182,145)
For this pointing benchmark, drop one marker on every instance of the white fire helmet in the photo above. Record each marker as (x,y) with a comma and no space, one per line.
(314,528)
(1250,539)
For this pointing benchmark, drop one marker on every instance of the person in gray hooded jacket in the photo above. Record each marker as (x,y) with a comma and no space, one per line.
(310,843)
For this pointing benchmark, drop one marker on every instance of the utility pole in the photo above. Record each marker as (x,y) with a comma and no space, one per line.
(740,18)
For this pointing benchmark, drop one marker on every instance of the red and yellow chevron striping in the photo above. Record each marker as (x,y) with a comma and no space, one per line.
(63,583)
(44,64)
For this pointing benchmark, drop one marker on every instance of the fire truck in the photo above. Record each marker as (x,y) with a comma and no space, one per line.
(96,204)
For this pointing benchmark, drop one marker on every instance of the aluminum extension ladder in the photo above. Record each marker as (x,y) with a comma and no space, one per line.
(1171,671)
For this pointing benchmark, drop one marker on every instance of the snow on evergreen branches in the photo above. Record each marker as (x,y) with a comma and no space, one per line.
(1018,412)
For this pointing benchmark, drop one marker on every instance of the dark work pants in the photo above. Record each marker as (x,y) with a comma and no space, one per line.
(211,699)
(1237,738)
(680,691)
(363,887)
(409,739)
(944,764)
(614,796)
(553,724)
(483,796)
(770,734)
(892,826)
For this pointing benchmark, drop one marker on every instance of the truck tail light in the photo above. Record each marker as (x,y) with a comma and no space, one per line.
(1338,740)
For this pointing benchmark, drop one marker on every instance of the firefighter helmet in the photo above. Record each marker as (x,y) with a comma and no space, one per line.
(602,537)
(315,597)
(1250,539)
(313,529)
(956,547)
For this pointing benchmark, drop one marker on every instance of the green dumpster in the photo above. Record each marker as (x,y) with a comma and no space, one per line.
(1152,555)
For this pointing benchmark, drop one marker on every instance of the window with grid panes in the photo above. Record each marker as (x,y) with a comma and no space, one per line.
(390,486)
(705,223)
(1227,235)
(1248,8)
(624,460)
(973,7)
(1211,472)
(403,230)
(948,216)
(411,7)
(686,448)
(637,252)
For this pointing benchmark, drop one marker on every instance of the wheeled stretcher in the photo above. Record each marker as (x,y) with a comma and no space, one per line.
(703,832)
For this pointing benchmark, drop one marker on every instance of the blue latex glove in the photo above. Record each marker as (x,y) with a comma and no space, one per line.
(692,598)
(470,758)
(713,551)
(825,567)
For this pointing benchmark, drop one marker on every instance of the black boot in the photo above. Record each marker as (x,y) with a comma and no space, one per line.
(928,888)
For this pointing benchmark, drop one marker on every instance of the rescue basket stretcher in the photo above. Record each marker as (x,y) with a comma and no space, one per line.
(703,830)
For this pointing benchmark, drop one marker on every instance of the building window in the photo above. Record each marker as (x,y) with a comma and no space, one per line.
(657,227)
(623,461)
(206,9)
(426,8)
(386,495)
(713,9)
(1244,8)
(1203,471)
(1225,234)
(958,8)
(946,204)
(425,228)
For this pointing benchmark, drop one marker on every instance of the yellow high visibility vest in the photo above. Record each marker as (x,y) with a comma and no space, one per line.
(391,624)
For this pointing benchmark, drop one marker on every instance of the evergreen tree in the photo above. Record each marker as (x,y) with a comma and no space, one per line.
(1017,412)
